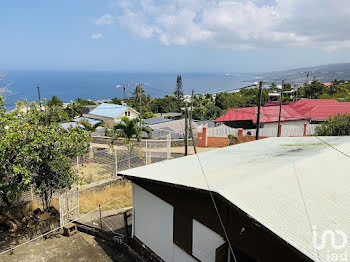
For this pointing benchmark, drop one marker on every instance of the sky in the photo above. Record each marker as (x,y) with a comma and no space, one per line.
(173,35)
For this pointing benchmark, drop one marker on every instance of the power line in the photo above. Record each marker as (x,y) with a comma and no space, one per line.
(216,209)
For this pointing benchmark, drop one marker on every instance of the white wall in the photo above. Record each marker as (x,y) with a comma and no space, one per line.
(205,242)
(289,128)
(153,222)
(182,256)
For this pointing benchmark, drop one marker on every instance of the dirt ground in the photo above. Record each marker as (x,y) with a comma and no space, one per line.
(79,247)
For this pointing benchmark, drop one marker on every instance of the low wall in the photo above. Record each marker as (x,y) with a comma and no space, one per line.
(209,141)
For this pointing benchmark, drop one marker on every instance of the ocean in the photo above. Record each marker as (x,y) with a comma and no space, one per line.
(98,85)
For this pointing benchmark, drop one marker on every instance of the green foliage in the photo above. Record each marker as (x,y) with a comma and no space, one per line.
(54,102)
(148,114)
(127,128)
(338,125)
(166,104)
(339,90)
(85,102)
(178,90)
(54,111)
(88,126)
(210,112)
(116,101)
(235,140)
(33,151)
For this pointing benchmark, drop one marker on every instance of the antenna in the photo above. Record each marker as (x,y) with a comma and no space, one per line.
(124,86)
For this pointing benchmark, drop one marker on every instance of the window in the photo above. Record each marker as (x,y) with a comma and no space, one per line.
(128,113)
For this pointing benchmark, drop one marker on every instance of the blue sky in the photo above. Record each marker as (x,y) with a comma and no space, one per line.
(173,35)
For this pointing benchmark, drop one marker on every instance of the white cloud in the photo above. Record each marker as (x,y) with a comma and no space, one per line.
(96,36)
(240,23)
(106,19)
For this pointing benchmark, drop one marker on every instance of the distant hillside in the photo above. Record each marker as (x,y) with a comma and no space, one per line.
(322,73)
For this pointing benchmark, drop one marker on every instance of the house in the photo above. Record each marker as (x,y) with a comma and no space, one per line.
(91,121)
(68,125)
(273,196)
(175,127)
(297,113)
(155,120)
(111,113)
(172,115)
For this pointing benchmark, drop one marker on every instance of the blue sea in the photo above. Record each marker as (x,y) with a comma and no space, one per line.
(97,85)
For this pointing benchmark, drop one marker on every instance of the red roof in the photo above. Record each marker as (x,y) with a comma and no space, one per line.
(315,109)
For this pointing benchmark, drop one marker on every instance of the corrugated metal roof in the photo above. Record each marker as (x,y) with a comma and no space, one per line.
(71,124)
(109,110)
(315,109)
(156,120)
(261,178)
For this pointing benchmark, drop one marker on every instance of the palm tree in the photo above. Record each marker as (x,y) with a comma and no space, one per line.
(88,126)
(128,129)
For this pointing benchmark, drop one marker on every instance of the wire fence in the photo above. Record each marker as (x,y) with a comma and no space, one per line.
(103,161)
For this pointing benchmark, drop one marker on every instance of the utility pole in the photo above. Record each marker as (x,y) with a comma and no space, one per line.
(186,131)
(191,131)
(258,116)
(140,100)
(279,114)
(38,88)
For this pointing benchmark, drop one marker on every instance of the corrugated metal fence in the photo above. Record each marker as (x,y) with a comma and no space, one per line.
(268,131)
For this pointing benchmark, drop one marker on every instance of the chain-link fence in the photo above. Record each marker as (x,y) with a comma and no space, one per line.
(103,161)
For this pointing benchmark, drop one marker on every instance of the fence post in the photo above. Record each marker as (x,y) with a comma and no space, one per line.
(126,226)
(116,162)
(99,209)
(279,130)
(168,146)
(146,152)
(32,192)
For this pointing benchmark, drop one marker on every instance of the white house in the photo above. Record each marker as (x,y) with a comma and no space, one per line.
(273,195)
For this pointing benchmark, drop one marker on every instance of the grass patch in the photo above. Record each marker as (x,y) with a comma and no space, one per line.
(89,200)
(32,205)
(92,172)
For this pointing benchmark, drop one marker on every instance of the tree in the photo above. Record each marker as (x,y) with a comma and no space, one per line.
(338,125)
(116,101)
(54,102)
(84,102)
(89,127)
(178,90)
(54,111)
(128,129)
(166,104)
(313,90)
(41,156)
(148,114)
(212,112)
